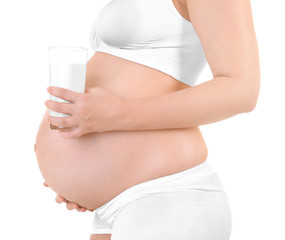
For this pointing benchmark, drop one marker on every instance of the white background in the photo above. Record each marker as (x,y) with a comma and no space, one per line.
(246,149)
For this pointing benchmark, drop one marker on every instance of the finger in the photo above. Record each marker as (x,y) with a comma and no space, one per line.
(71,206)
(76,132)
(82,209)
(79,209)
(63,93)
(60,107)
(60,199)
(91,90)
(66,122)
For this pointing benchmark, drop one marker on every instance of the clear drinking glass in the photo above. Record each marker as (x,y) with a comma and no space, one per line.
(67,69)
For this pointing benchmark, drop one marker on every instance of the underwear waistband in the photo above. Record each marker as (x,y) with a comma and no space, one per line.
(192,178)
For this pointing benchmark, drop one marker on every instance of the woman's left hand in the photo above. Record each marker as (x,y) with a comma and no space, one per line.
(95,110)
(69,205)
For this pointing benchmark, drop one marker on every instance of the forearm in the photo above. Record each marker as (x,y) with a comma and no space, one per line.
(209,102)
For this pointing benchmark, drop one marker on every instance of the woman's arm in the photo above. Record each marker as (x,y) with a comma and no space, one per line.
(226,30)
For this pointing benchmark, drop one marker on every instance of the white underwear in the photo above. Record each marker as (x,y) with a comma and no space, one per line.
(190,204)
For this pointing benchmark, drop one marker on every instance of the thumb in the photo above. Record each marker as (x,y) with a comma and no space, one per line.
(91,89)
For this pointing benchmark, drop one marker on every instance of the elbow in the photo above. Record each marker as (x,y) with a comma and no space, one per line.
(251,105)
(250,97)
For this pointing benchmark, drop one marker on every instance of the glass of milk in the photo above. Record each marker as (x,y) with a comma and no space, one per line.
(67,69)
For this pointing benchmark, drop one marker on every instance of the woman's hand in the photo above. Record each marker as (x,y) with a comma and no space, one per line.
(94,111)
(69,205)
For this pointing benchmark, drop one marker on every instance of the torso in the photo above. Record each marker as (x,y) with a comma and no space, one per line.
(94,168)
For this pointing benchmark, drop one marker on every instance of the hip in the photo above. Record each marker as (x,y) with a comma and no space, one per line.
(190,201)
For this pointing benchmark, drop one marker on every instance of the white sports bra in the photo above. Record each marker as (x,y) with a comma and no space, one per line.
(152,33)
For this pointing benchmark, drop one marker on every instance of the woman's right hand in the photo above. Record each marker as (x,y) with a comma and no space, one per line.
(69,205)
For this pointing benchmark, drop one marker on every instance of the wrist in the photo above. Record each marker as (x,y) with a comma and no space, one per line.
(124,116)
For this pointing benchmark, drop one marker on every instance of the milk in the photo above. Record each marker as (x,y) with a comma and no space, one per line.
(66,75)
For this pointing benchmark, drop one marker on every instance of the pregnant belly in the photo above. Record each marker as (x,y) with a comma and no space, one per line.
(94,168)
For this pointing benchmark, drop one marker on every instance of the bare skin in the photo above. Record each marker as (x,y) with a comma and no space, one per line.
(155,153)
(182,9)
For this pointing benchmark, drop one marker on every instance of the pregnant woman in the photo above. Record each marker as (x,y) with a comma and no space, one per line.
(132,150)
